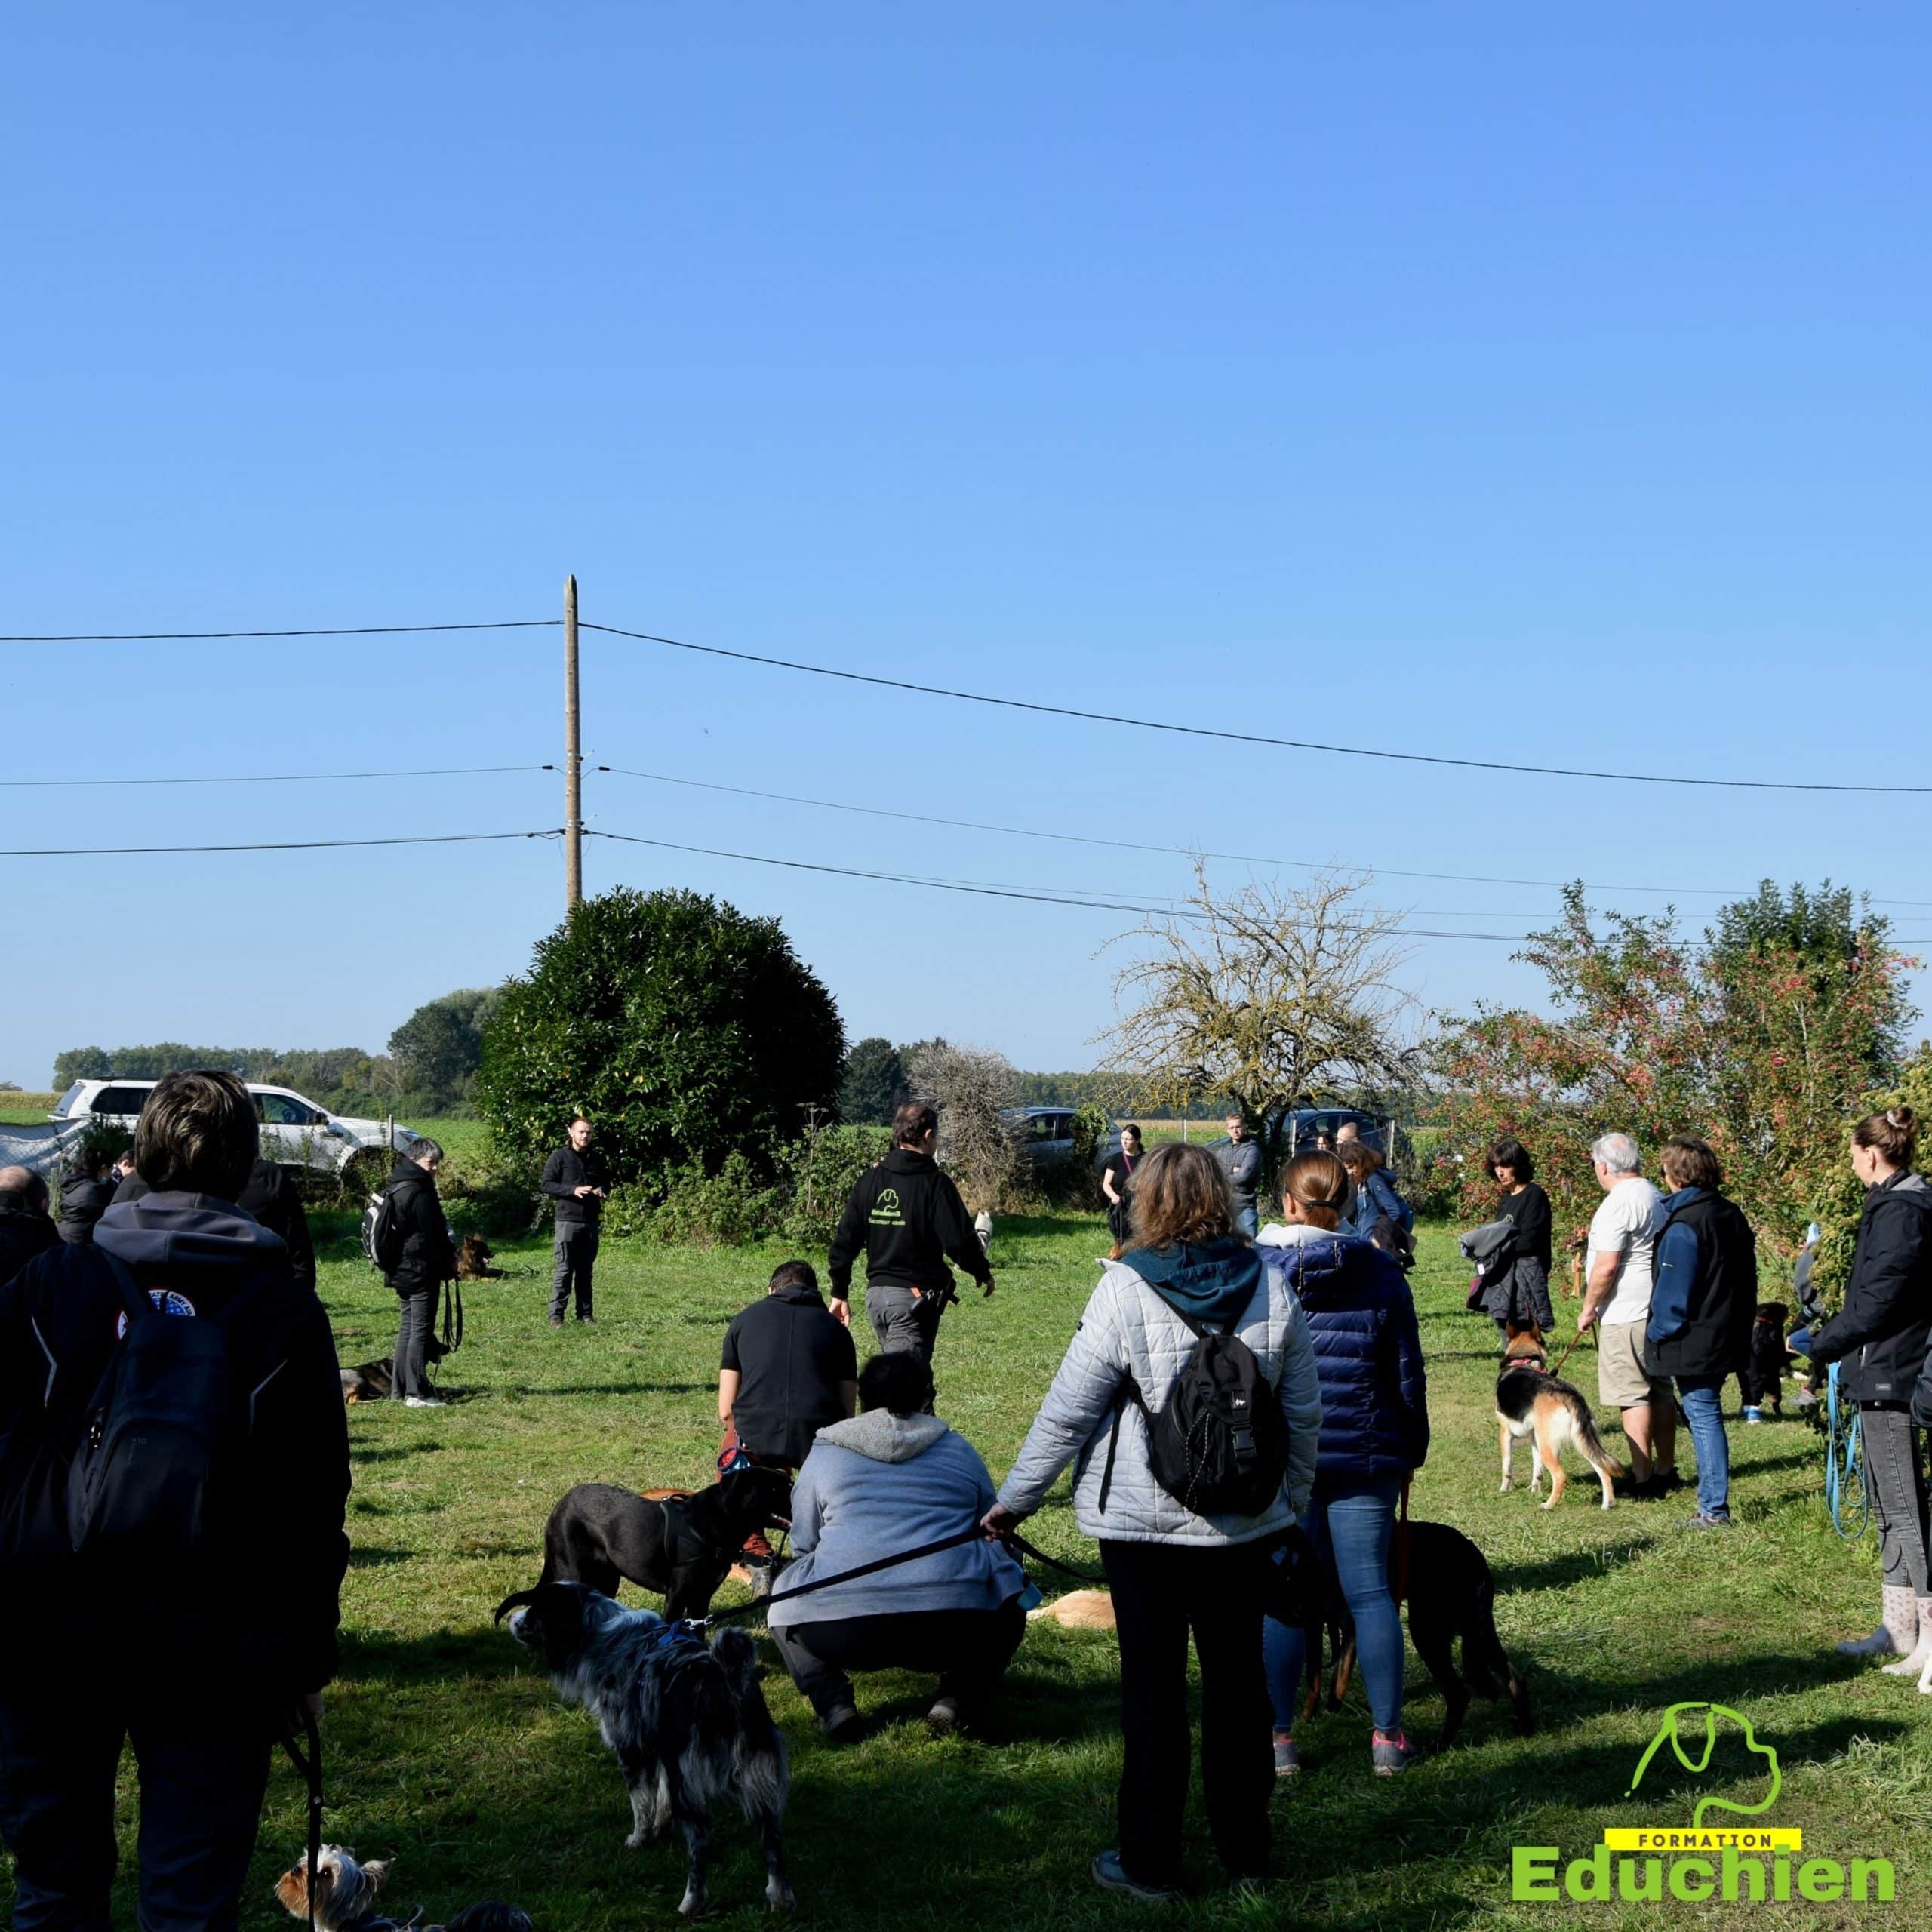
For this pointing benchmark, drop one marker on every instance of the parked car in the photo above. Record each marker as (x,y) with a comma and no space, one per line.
(1303,1127)
(296,1133)
(1044,1134)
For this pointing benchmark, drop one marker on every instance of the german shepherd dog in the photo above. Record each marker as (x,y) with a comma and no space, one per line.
(1531,1402)
(679,1545)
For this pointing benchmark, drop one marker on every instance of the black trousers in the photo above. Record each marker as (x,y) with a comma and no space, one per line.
(1161,1592)
(412,1340)
(575,1255)
(968,1649)
(203,1769)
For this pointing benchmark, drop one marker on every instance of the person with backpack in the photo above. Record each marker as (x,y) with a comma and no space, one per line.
(173,1474)
(410,1241)
(1187,1401)
(272,1196)
(1380,1214)
(1361,1319)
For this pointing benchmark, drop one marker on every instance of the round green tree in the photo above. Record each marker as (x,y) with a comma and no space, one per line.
(683,1028)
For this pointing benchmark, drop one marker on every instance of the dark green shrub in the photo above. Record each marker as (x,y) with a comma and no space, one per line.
(820,1172)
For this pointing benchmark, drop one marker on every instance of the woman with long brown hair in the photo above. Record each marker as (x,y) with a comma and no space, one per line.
(1187,1275)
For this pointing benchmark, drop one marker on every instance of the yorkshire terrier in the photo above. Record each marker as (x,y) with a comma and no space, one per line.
(347,1892)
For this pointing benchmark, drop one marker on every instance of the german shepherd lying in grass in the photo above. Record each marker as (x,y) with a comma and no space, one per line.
(1531,1402)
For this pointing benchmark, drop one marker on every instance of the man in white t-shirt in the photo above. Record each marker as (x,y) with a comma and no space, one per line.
(1616,1295)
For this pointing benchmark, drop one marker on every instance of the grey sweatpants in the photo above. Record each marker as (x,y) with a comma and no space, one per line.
(1895,1473)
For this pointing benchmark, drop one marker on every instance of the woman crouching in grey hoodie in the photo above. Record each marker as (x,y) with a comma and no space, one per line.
(889,1479)
(1172,1570)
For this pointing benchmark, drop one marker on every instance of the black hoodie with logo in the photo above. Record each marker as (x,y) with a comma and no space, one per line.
(908,1218)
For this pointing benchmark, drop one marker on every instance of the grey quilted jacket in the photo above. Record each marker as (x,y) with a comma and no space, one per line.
(1128,1329)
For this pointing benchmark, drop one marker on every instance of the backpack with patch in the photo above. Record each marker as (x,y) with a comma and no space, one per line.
(162,1436)
(1218,1444)
(383,1234)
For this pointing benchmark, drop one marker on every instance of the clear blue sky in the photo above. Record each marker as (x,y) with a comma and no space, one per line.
(1508,380)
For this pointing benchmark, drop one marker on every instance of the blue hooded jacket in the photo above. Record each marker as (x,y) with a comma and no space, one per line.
(1361,1318)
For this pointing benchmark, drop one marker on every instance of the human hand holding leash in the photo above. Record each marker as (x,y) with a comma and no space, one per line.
(999,1522)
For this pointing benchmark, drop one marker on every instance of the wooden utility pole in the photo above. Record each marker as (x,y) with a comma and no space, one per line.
(572,760)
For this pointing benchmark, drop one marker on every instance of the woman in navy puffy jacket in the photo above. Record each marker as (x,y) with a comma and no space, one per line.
(1361,1319)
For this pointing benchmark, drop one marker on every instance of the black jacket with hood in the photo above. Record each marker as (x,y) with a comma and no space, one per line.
(428,1255)
(24,1232)
(258,1611)
(272,1198)
(1881,1333)
(908,1218)
(83,1200)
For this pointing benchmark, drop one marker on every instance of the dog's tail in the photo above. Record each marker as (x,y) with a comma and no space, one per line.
(764,1776)
(1588,1440)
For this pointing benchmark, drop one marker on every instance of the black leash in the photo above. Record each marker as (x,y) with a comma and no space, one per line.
(310,1768)
(973,1534)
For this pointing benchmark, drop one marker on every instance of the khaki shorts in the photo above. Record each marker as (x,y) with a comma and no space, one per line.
(1623,1382)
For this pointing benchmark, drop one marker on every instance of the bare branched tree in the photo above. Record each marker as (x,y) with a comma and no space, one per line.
(1278,998)
(973,1087)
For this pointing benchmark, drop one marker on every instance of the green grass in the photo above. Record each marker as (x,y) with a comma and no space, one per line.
(449,1753)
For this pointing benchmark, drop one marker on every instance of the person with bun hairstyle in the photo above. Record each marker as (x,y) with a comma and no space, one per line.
(1880,1336)
(1361,1318)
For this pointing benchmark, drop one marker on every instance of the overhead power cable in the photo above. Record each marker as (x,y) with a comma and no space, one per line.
(1254,737)
(277,777)
(272,845)
(1180,851)
(205,637)
(1158,910)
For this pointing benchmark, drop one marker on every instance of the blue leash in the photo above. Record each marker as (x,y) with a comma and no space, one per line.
(1846,1498)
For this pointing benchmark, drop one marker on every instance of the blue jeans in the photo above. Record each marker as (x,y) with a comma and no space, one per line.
(1704,1410)
(1350,1526)
(1247,1222)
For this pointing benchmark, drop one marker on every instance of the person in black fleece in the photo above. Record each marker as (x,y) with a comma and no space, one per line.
(85,1194)
(271,1195)
(201,1663)
(26,1228)
(576,1180)
(428,1260)
(908,1218)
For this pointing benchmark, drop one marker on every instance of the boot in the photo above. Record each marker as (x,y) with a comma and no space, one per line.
(1910,1667)
(1897,1631)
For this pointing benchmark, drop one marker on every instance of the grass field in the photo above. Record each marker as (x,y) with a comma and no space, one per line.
(449,1753)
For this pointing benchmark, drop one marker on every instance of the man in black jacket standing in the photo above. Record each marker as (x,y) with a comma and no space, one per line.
(198,1654)
(576,1179)
(427,1260)
(908,1218)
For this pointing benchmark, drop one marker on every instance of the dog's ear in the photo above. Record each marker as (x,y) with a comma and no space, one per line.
(377,1873)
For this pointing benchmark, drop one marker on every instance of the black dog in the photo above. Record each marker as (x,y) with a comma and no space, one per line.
(1761,1379)
(1451,1594)
(680,1546)
(687,1719)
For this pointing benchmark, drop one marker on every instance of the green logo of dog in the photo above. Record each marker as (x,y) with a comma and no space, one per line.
(886,1211)
(1668,1733)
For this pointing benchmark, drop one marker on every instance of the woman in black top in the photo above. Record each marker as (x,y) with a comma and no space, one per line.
(1522,1292)
(1117,1183)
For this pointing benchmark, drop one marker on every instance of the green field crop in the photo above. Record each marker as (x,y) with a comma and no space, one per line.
(448,1751)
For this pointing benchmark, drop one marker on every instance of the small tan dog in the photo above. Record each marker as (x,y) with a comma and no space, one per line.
(1078,1610)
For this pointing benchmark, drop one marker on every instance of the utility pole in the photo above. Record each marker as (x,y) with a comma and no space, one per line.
(572,760)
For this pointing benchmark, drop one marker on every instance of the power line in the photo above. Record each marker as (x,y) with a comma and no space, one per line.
(201,637)
(1253,737)
(1178,851)
(275,845)
(1168,909)
(277,777)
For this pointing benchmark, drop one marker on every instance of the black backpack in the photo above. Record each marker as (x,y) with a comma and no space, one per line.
(161,1437)
(384,1234)
(1218,1444)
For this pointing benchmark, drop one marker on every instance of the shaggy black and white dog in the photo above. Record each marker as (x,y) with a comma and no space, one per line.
(682,1546)
(687,1719)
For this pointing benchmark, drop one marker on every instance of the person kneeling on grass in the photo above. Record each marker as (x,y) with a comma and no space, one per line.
(889,1480)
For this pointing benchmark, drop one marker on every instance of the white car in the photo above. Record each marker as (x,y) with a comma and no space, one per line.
(296,1133)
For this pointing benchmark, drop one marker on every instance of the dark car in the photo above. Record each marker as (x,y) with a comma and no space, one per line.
(1302,1129)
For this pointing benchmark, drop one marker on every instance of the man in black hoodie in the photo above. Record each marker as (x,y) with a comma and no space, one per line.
(26,1228)
(198,1655)
(909,1219)
(426,1261)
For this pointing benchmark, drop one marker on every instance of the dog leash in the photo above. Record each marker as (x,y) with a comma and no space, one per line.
(309,1766)
(1591,1331)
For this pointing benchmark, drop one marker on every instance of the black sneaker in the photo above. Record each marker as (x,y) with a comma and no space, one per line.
(843,1724)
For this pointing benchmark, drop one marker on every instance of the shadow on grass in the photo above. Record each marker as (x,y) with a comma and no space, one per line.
(1569,1566)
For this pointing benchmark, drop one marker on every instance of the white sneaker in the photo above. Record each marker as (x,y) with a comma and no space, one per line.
(422,1402)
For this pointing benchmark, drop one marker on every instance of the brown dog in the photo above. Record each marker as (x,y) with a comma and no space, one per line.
(1078,1610)
(1530,1401)
(472,1261)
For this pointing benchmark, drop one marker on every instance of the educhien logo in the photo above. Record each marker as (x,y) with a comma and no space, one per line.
(1740,1864)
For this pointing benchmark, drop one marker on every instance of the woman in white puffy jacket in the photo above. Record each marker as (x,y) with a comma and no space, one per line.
(1171,1570)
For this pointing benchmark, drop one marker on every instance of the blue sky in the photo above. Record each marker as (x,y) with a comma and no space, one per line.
(1536,383)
